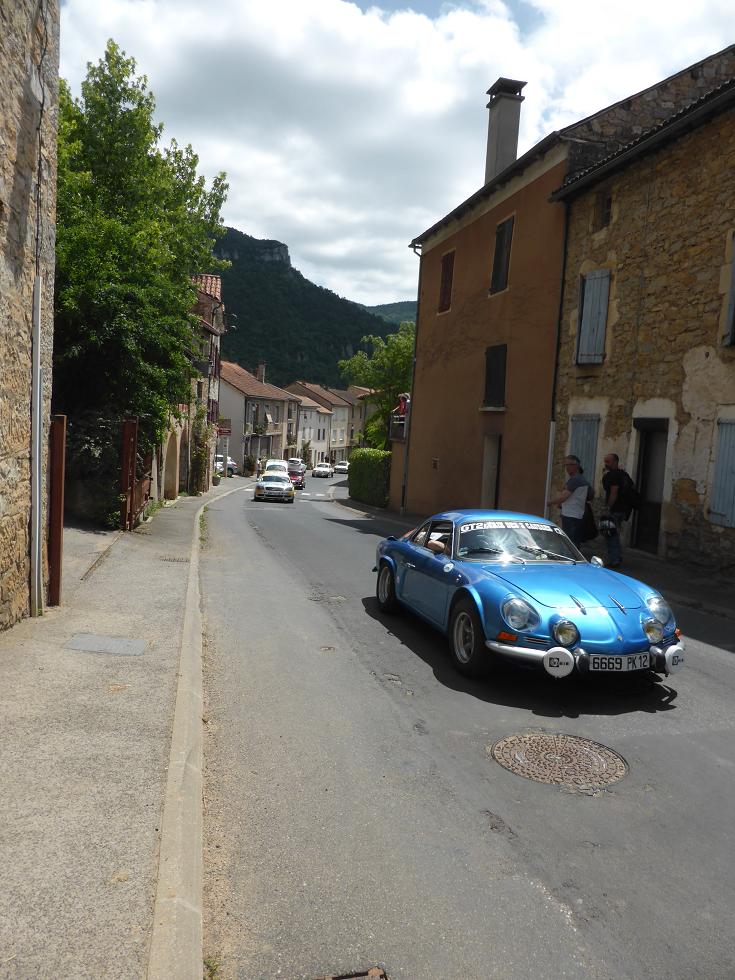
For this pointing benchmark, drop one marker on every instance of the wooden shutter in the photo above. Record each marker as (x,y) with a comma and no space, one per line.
(594,293)
(445,287)
(583,442)
(501,259)
(729,338)
(495,360)
(722,503)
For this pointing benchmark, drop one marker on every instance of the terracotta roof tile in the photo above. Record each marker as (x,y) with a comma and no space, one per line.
(323,393)
(311,405)
(249,385)
(211,285)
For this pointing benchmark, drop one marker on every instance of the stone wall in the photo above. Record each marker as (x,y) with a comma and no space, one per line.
(669,247)
(26,27)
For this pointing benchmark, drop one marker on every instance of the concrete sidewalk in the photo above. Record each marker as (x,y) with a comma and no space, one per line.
(85,752)
(692,587)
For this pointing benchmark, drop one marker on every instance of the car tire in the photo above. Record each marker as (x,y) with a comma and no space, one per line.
(467,639)
(385,589)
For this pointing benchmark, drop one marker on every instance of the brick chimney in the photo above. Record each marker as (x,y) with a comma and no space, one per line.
(503,124)
(261,372)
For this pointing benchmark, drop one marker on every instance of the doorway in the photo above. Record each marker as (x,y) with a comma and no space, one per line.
(653,438)
(490,472)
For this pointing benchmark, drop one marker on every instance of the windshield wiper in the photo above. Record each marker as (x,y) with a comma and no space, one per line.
(495,551)
(549,554)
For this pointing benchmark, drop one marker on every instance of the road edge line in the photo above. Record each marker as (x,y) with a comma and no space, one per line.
(176,947)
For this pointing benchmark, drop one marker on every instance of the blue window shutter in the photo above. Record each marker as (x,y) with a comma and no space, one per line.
(722,503)
(594,293)
(583,442)
(729,337)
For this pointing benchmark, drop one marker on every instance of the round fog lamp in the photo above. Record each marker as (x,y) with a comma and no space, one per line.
(653,630)
(566,633)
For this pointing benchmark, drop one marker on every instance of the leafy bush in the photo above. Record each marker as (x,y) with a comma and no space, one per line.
(369,476)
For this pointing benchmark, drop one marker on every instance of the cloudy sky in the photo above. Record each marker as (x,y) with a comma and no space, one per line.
(347,128)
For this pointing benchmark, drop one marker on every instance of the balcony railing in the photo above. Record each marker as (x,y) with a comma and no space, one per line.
(266,429)
(397,427)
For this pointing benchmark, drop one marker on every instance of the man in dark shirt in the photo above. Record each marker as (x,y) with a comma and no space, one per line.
(614,481)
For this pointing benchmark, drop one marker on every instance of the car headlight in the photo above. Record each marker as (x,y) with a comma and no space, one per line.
(565,633)
(659,609)
(653,630)
(519,615)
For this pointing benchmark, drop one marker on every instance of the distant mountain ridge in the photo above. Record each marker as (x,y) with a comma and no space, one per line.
(395,312)
(299,329)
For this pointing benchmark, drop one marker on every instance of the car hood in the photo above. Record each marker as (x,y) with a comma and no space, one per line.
(562,586)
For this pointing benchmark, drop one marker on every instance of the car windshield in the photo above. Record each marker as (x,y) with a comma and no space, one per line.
(275,478)
(517,541)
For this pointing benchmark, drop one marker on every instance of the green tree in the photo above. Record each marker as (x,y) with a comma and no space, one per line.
(134,222)
(387,370)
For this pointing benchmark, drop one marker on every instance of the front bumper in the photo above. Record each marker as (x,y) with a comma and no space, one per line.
(560,662)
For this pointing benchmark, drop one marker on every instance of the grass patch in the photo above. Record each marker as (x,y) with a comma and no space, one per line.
(211,968)
(203,525)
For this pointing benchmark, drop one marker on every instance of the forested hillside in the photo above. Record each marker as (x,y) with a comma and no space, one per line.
(395,312)
(299,329)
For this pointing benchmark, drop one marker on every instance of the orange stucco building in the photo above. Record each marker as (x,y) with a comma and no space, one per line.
(490,282)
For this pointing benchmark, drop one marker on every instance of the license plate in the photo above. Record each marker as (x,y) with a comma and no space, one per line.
(631,661)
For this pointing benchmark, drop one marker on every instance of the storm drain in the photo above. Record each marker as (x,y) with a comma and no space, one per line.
(117,646)
(575,763)
(174,559)
(374,973)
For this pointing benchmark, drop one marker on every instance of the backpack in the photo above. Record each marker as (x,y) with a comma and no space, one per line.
(629,493)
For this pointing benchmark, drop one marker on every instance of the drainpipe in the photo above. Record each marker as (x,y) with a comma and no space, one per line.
(404,485)
(552,423)
(36,583)
(36,456)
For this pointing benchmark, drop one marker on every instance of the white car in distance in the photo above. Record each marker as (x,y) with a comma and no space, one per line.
(276,466)
(342,466)
(323,469)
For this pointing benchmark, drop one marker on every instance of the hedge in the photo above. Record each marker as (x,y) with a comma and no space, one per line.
(369,476)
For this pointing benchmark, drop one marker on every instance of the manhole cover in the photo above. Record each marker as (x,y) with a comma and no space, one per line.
(560,760)
(117,646)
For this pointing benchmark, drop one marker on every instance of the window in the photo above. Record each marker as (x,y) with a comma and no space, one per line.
(722,504)
(421,535)
(729,338)
(603,211)
(501,259)
(495,358)
(277,413)
(583,442)
(594,290)
(445,286)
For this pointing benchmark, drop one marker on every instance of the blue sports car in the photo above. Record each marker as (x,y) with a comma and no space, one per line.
(512,586)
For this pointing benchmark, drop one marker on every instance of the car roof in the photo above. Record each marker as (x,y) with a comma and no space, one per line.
(465,514)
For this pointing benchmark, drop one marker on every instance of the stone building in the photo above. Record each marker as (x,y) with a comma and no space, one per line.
(646,363)
(29,65)
(481,428)
(264,417)
(338,433)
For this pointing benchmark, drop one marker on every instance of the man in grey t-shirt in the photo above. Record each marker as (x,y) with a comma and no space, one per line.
(573,500)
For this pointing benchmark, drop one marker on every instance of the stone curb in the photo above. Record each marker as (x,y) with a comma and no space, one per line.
(176,939)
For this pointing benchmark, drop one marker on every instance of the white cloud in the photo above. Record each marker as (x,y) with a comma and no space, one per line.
(346,132)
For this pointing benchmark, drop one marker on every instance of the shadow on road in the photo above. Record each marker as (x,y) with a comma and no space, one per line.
(519,688)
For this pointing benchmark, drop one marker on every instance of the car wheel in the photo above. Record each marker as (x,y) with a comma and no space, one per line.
(385,590)
(467,639)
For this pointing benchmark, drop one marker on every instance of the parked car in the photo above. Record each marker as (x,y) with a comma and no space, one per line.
(232,467)
(512,586)
(274,486)
(279,465)
(297,478)
(295,462)
(342,466)
(323,469)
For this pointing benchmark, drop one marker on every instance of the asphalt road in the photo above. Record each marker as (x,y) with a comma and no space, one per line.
(354,816)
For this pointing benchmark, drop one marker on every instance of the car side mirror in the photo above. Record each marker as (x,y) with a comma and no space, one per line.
(595,560)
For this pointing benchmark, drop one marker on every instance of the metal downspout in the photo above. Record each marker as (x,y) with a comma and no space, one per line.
(404,484)
(552,422)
